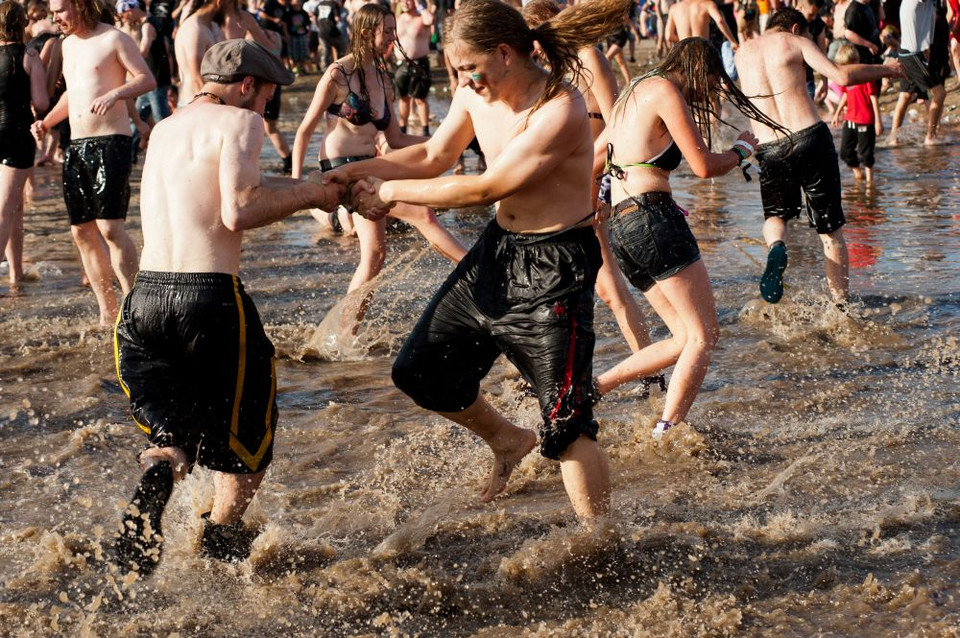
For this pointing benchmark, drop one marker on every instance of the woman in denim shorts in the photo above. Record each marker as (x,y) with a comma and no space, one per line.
(659,119)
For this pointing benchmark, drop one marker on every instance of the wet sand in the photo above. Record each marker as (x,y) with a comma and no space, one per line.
(814,491)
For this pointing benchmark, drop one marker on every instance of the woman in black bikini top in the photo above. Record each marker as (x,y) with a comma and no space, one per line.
(355,97)
(660,118)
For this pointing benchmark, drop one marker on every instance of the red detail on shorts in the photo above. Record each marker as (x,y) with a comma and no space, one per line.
(568,370)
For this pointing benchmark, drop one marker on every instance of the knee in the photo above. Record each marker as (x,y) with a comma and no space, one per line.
(85,234)
(833,240)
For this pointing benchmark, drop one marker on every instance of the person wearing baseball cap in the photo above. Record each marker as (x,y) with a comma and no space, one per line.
(204,391)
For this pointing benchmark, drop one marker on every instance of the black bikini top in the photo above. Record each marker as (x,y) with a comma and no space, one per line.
(356,109)
(666,160)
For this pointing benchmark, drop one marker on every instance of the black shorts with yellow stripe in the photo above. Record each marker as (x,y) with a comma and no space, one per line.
(198,368)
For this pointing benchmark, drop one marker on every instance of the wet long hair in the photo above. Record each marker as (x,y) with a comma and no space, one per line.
(482,25)
(92,12)
(696,60)
(366,21)
(13,22)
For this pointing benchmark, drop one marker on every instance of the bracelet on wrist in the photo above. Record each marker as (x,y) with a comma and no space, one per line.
(740,153)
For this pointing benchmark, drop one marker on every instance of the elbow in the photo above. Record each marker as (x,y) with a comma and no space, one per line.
(842,77)
(704,169)
(232,218)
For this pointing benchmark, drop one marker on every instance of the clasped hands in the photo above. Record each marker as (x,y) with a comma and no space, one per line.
(362,196)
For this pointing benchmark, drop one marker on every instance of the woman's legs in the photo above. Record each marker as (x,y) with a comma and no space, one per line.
(612,289)
(373,250)
(12,181)
(690,294)
(685,304)
(425,221)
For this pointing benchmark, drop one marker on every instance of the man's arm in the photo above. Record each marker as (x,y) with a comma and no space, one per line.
(529,157)
(860,40)
(140,79)
(670,30)
(426,14)
(57,114)
(38,82)
(246,199)
(424,160)
(721,23)
(147,35)
(846,75)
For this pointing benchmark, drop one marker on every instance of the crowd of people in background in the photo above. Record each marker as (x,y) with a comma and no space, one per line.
(87,85)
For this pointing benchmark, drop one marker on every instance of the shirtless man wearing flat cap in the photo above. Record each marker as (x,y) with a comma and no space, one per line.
(191,352)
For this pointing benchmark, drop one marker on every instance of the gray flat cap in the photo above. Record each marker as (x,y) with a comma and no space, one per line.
(232,60)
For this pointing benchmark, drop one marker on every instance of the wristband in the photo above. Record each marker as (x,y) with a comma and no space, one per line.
(745,146)
(740,153)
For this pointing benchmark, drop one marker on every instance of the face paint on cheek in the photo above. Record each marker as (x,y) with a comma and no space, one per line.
(476,77)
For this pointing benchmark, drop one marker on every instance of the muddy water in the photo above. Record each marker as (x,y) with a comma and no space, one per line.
(814,491)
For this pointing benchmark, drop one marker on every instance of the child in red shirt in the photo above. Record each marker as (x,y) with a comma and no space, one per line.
(862,123)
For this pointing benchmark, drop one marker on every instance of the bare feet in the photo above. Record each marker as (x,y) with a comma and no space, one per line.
(892,140)
(932,141)
(506,459)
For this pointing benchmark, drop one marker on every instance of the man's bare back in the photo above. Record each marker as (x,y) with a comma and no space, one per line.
(772,72)
(181,192)
(198,33)
(691,19)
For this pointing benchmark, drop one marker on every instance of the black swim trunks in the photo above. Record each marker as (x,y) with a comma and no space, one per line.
(272,109)
(96,178)
(921,74)
(619,38)
(413,78)
(651,239)
(198,367)
(811,169)
(528,296)
(17,147)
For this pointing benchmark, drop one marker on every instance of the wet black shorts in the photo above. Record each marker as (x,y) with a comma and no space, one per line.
(812,169)
(921,75)
(619,38)
(272,110)
(651,239)
(528,296)
(96,178)
(192,356)
(17,147)
(413,78)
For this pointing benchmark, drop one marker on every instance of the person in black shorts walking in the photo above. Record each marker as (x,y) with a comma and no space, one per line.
(191,352)
(525,289)
(803,164)
(103,68)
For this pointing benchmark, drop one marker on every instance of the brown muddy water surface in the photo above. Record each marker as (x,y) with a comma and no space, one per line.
(815,492)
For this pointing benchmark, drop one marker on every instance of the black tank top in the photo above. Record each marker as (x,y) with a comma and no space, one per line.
(14,88)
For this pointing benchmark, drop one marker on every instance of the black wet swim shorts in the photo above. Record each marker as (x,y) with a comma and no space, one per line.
(17,147)
(96,178)
(198,367)
(651,239)
(528,296)
(921,74)
(271,111)
(413,78)
(811,169)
